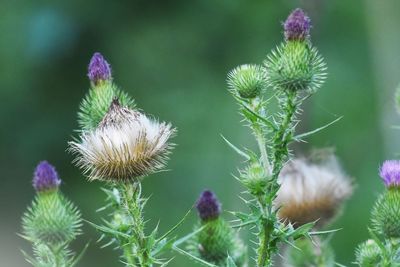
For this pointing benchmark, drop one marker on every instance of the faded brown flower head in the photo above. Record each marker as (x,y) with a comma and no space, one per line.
(312,191)
(126,146)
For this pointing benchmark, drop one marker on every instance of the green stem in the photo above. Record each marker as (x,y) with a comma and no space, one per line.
(283,136)
(133,206)
(259,134)
(281,141)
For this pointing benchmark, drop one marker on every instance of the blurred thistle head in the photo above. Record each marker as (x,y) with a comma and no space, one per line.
(125,146)
(208,206)
(297,26)
(390,173)
(368,254)
(247,80)
(45,177)
(311,192)
(99,69)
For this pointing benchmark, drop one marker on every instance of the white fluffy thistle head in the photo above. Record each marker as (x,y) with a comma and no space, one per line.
(125,146)
(312,192)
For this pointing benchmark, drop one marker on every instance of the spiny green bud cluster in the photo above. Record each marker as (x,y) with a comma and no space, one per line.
(51,222)
(255,178)
(51,219)
(296,64)
(216,241)
(386,214)
(368,254)
(247,80)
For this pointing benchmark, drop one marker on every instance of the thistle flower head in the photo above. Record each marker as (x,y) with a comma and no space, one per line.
(247,80)
(45,177)
(311,192)
(297,26)
(125,146)
(208,206)
(99,69)
(390,173)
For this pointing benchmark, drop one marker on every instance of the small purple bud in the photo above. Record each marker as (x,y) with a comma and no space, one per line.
(208,206)
(390,173)
(99,69)
(45,177)
(297,26)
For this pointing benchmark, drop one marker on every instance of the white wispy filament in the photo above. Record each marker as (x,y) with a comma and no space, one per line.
(126,145)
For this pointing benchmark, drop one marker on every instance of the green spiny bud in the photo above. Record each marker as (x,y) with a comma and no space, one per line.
(307,253)
(295,66)
(255,179)
(51,219)
(102,92)
(368,254)
(247,80)
(386,213)
(216,240)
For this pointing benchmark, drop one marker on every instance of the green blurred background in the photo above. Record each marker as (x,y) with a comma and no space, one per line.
(173,57)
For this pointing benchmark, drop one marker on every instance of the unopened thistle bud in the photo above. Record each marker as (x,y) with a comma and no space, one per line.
(125,146)
(99,70)
(386,213)
(51,219)
(96,103)
(368,254)
(217,240)
(45,177)
(297,26)
(390,173)
(311,192)
(247,80)
(208,206)
(296,65)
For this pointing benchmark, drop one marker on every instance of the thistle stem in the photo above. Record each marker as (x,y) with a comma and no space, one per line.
(133,206)
(283,136)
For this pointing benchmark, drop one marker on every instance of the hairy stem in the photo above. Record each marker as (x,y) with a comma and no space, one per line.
(135,251)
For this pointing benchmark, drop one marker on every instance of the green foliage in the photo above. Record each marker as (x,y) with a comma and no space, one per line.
(295,65)
(97,102)
(386,214)
(126,228)
(248,81)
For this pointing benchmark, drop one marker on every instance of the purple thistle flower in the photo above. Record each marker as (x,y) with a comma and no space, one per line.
(208,206)
(99,69)
(297,26)
(45,177)
(390,173)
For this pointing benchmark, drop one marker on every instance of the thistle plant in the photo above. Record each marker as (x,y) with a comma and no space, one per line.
(51,223)
(120,145)
(383,249)
(290,74)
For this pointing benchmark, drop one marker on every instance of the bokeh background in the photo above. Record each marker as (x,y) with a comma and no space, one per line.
(173,57)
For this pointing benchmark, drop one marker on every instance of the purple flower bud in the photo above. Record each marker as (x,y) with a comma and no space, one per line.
(390,173)
(45,177)
(208,206)
(297,26)
(99,69)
